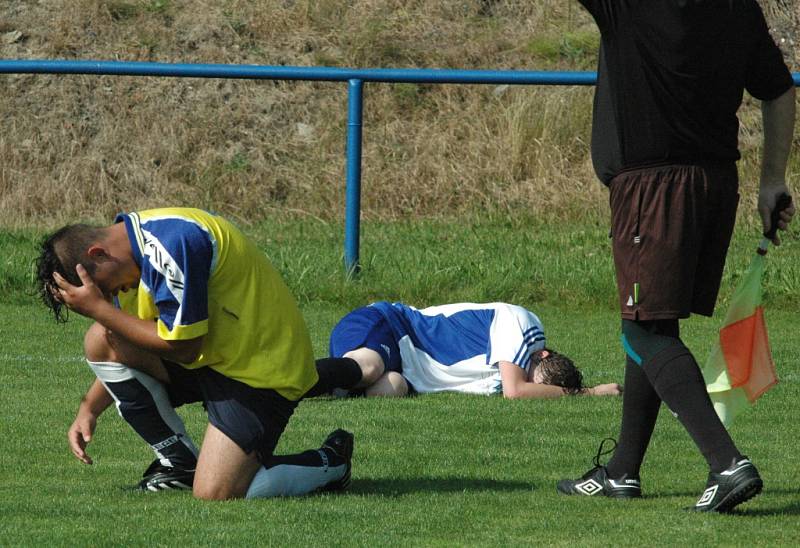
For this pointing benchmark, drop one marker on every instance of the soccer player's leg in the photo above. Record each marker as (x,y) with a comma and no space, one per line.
(143,402)
(245,424)
(335,375)
(224,470)
(362,349)
(390,384)
(371,364)
(325,469)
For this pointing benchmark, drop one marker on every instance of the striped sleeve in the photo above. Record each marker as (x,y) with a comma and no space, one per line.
(179,256)
(514,335)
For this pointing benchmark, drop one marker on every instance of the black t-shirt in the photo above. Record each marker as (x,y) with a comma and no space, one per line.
(671,77)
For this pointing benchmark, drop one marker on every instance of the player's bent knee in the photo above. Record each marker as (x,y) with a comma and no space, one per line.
(224,471)
(391,384)
(398,383)
(371,373)
(222,486)
(370,362)
(96,346)
(209,492)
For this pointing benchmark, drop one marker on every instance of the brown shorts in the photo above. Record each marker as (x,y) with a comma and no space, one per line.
(671,227)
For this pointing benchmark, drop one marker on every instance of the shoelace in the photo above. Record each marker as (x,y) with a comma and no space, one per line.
(601,453)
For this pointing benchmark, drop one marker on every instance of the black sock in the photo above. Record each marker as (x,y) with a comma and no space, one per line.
(640,405)
(312,457)
(335,373)
(640,401)
(677,379)
(137,406)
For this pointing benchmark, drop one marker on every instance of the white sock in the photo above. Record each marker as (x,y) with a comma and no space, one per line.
(289,480)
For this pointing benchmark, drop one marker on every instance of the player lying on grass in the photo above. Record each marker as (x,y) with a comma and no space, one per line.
(392,349)
(187,309)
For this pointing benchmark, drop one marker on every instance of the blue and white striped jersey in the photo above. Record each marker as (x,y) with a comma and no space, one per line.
(457,347)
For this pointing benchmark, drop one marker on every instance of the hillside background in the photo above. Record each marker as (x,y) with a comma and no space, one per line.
(87,147)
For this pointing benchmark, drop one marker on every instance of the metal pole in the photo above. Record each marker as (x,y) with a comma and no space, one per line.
(352,219)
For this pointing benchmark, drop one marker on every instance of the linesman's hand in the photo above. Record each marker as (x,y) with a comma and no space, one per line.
(767,199)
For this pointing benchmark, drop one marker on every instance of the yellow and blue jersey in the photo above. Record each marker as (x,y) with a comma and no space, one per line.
(200,276)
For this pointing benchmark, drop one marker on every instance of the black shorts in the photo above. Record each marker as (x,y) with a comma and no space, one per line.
(254,418)
(671,227)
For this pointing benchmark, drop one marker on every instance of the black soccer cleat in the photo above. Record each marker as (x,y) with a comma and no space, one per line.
(158,477)
(738,483)
(597,482)
(340,443)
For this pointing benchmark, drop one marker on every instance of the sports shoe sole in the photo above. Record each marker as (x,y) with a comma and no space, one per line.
(565,490)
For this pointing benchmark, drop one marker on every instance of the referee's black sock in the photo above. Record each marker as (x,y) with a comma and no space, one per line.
(676,378)
(335,373)
(640,405)
(640,401)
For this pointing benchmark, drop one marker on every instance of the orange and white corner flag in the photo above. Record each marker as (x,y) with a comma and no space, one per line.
(740,367)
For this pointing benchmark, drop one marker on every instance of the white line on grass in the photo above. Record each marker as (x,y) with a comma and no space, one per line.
(35,358)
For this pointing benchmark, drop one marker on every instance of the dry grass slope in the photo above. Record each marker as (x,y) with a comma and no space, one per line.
(87,147)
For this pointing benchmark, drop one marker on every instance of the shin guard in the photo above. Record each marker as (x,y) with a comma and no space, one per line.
(143,403)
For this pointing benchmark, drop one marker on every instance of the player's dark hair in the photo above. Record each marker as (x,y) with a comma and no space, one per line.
(559,370)
(61,252)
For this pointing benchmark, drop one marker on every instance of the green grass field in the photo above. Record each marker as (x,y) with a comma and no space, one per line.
(432,470)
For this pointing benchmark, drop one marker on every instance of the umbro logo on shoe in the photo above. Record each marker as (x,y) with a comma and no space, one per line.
(707,496)
(589,487)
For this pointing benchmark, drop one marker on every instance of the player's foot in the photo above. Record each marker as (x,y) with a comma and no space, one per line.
(340,443)
(731,487)
(158,477)
(597,482)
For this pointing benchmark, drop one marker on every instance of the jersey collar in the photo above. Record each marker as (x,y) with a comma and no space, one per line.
(133,227)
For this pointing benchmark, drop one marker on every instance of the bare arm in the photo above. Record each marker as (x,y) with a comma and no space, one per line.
(779,119)
(89,301)
(96,400)
(517,386)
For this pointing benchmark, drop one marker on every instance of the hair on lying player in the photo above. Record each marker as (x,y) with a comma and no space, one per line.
(557,369)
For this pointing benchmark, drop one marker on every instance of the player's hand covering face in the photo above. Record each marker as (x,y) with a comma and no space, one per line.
(83,299)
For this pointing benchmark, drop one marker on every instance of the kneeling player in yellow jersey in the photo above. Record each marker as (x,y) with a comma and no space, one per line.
(187,309)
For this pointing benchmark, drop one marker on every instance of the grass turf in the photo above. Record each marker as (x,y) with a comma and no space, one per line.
(430,470)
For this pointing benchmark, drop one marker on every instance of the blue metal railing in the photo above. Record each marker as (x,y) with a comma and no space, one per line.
(355,79)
